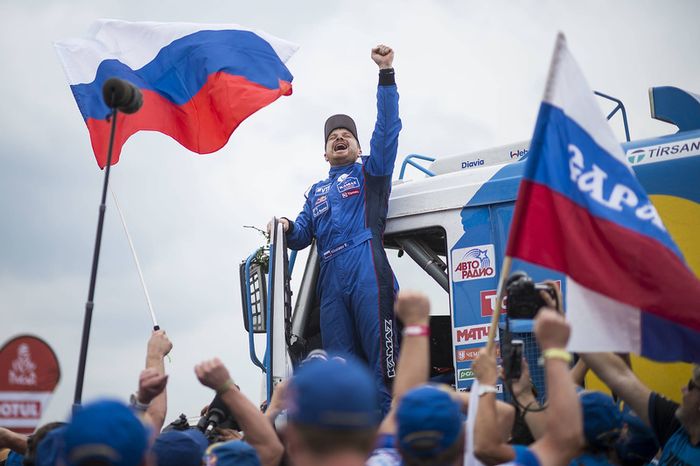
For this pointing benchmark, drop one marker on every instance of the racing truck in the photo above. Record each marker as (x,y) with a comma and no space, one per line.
(461,204)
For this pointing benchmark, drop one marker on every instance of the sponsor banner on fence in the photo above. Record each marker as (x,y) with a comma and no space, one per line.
(470,354)
(471,334)
(29,373)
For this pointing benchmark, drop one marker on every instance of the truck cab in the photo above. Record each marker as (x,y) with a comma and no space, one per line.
(446,235)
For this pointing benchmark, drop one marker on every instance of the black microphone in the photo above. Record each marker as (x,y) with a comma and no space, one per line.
(122,95)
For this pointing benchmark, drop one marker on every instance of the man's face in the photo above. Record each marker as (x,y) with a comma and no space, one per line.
(689,411)
(341,148)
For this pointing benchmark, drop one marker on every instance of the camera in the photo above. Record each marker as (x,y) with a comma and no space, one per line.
(217,417)
(523,296)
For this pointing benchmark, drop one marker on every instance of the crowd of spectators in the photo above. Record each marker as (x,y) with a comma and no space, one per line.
(327,415)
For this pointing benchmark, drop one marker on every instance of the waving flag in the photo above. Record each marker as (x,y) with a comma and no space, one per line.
(199,81)
(582,212)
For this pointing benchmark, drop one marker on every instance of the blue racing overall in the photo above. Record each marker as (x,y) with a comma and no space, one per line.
(346,213)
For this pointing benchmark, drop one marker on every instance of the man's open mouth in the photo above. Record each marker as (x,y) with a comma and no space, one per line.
(340,145)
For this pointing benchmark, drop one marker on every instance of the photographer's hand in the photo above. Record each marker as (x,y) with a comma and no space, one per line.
(559,303)
(522,388)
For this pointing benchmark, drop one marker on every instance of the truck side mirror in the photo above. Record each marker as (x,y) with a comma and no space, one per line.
(254,291)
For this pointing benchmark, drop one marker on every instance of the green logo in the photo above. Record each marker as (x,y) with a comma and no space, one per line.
(636,156)
(465,374)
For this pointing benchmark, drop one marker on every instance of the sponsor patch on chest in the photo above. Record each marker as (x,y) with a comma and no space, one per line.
(320,199)
(348,184)
(350,193)
(320,208)
(322,189)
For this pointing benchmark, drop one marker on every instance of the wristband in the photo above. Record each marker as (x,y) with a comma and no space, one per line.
(386,77)
(225,387)
(136,404)
(557,353)
(484,389)
(416,331)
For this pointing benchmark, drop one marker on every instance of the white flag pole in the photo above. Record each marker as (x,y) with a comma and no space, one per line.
(136,260)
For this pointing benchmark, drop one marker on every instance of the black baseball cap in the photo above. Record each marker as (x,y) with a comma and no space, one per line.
(340,121)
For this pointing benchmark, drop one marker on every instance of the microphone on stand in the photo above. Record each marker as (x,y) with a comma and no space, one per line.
(119,95)
(122,95)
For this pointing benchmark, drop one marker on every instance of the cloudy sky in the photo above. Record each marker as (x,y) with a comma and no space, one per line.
(470,75)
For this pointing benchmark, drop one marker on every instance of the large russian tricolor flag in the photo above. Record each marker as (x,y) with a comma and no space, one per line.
(199,81)
(582,212)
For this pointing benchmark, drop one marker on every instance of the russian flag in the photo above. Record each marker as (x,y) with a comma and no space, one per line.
(199,81)
(581,211)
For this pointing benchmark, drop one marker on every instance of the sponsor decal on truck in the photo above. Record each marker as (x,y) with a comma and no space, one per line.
(473,263)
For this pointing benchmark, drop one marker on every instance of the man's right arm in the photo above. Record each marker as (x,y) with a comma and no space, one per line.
(613,371)
(300,231)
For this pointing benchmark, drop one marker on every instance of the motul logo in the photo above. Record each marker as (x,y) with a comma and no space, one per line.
(20,409)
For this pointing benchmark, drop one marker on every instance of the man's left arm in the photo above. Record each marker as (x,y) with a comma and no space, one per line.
(385,138)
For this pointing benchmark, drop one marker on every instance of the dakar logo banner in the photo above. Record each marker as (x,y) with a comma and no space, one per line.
(29,373)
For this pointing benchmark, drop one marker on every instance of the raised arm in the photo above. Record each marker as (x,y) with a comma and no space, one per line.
(385,138)
(258,430)
(413,309)
(563,435)
(159,345)
(489,444)
(613,371)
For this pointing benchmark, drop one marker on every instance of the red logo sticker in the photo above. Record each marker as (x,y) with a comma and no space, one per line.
(352,192)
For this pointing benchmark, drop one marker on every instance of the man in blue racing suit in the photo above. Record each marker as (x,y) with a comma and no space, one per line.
(346,213)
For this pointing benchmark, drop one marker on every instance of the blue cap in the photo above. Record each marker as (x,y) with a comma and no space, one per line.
(346,399)
(231,453)
(429,421)
(105,430)
(14,459)
(180,447)
(602,420)
(49,447)
(638,445)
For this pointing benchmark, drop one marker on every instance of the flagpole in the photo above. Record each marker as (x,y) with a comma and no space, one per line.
(89,305)
(493,330)
(136,260)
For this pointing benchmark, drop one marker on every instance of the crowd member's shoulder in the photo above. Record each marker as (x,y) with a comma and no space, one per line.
(662,417)
(385,452)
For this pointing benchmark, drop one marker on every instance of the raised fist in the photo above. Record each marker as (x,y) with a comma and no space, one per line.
(551,329)
(485,369)
(212,373)
(413,308)
(159,345)
(151,384)
(383,56)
